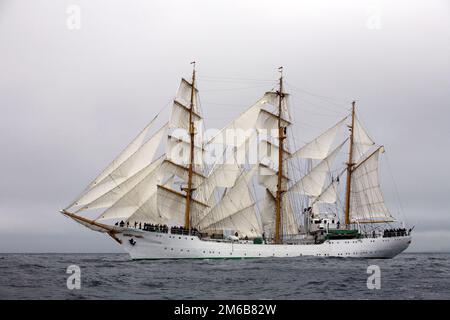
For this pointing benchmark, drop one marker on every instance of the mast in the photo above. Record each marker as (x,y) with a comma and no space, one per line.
(281,137)
(188,189)
(349,169)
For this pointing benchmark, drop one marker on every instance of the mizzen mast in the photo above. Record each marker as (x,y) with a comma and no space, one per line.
(349,168)
(189,189)
(281,137)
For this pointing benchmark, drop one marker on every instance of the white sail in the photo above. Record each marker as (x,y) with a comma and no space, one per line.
(254,118)
(184,95)
(135,198)
(290,226)
(244,124)
(272,98)
(109,198)
(235,199)
(319,148)
(181,172)
(223,175)
(124,155)
(140,159)
(361,141)
(268,214)
(329,194)
(268,121)
(172,205)
(178,151)
(367,203)
(269,151)
(244,222)
(313,183)
(268,178)
(179,117)
(147,212)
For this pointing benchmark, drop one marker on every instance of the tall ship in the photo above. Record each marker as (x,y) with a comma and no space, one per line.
(244,191)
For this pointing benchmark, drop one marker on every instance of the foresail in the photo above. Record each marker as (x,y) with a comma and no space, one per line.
(124,155)
(136,198)
(109,198)
(140,159)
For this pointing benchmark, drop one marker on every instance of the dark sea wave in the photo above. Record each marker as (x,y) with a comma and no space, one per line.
(114,276)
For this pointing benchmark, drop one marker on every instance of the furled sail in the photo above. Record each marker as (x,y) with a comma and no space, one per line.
(367,203)
(319,148)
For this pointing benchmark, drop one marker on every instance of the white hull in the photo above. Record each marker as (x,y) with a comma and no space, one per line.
(153,245)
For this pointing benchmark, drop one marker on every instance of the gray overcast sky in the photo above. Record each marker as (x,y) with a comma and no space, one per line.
(72,99)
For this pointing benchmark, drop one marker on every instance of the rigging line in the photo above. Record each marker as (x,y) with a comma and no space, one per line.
(397,194)
(235,78)
(321,106)
(336,101)
(235,89)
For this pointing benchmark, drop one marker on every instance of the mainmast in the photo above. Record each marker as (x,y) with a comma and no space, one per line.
(188,189)
(349,168)
(281,137)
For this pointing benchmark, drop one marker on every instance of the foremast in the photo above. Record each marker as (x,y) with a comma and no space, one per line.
(349,168)
(281,138)
(189,189)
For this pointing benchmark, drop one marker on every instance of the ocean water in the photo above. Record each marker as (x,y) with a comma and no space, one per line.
(114,276)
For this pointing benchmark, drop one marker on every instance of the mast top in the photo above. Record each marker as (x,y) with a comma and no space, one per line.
(280,70)
(193,66)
